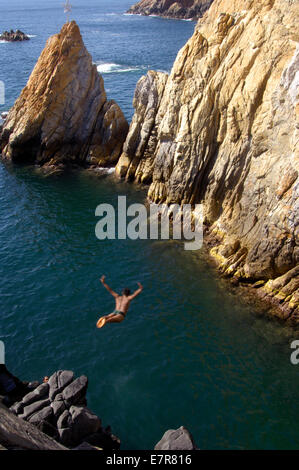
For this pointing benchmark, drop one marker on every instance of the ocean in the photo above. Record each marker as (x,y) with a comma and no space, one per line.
(191,352)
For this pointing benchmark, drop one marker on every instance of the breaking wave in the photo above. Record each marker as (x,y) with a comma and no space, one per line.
(110,67)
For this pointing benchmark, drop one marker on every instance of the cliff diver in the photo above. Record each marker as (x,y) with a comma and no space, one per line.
(122,303)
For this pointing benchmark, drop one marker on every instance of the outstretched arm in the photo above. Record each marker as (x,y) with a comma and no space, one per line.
(137,292)
(107,287)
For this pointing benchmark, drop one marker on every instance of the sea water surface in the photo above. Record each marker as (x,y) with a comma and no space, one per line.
(191,352)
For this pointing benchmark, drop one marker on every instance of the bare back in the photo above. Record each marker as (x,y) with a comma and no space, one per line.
(122,303)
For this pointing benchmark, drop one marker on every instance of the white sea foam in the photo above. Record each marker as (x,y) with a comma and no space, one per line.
(107,171)
(170,18)
(3,116)
(110,67)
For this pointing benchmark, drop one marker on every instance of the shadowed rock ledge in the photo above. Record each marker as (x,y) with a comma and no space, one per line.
(17,434)
(225,134)
(63,115)
(179,9)
(58,409)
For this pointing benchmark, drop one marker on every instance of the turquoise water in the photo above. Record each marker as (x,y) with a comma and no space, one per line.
(190,352)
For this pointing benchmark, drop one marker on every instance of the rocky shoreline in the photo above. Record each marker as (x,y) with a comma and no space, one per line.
(173,9)
(14,36)
(252,293)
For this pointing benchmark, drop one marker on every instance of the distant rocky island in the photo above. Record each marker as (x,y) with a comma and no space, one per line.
(220,130)
(14,36)
(179,9)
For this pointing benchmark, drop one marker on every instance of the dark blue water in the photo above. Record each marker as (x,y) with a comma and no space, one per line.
(190,352)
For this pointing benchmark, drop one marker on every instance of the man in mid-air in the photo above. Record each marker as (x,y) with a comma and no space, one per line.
(122,303)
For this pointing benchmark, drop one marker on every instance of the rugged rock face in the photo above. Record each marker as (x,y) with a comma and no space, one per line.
(182,9)
(58,408)
(18,434)
(225,135)
(13,36)
(136,160)
(62,114)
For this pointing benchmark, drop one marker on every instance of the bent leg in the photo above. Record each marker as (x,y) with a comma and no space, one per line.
(116,318)
(110,315)
(103,320)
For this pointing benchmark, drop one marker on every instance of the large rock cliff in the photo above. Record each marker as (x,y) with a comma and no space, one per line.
(180,9)
(225,135)
(63,114)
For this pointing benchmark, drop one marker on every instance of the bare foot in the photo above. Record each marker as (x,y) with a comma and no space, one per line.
(101,322)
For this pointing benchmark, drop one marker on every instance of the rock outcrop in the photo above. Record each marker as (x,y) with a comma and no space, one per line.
(13,36)
(58,408)
(63,115)
(225,135)
(136,160)
(180,9)
(177,439)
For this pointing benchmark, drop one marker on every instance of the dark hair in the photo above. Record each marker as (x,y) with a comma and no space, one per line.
(126,292)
